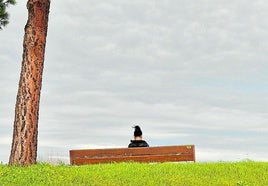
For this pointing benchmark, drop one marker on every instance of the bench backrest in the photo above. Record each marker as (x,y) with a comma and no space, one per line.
(143,154)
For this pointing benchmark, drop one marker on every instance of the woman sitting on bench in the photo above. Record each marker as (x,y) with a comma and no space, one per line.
(138,142)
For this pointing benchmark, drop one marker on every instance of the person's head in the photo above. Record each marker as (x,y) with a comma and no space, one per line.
(137,132)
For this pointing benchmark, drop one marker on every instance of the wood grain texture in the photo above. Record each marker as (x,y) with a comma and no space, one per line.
(144,154)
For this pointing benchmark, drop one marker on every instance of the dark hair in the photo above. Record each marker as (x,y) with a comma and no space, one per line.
(137,131)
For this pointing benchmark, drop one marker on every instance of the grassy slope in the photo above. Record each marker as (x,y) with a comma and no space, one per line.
(237,174)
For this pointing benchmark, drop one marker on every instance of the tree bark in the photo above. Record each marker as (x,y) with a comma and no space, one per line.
(24,144)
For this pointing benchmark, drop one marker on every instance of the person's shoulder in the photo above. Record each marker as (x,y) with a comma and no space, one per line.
(132,143)
(143,143)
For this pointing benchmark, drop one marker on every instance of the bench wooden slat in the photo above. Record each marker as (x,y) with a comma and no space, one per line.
(156,158)
(131,151)
(145,154)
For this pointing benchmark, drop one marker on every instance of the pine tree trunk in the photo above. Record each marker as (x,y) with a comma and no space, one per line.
(24,144)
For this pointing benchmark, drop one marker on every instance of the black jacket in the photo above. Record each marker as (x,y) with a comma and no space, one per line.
(138,143)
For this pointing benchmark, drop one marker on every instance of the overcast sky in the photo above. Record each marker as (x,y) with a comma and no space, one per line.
(187,72)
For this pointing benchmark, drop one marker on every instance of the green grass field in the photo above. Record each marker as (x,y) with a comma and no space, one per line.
(217,174)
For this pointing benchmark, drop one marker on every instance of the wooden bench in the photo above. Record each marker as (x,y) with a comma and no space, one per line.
(143,154)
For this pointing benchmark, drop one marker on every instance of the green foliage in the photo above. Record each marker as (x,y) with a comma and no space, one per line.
(3,13)
(186,174)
